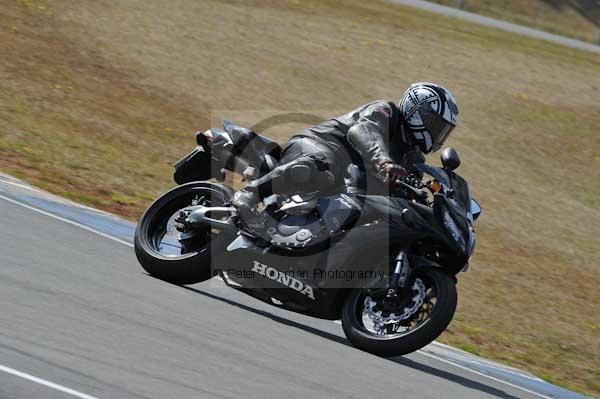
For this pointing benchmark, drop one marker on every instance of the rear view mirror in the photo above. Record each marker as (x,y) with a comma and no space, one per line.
(475,209)
(450,158)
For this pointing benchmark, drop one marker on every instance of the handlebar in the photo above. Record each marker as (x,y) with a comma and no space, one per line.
(412,184)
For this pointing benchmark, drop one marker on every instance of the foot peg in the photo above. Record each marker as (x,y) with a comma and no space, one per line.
(219,217)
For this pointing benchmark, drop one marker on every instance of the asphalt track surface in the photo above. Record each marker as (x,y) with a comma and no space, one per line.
(80,318)
(498,24)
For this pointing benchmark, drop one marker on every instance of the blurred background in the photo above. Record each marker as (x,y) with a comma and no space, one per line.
(98,99)
(579,19)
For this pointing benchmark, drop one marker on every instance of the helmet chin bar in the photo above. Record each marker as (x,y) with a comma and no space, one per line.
(428,142)
(422,139)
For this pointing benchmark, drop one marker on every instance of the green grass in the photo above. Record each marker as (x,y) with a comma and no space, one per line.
(98,99)
(470,348)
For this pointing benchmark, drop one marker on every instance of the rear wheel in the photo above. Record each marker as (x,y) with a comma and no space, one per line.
(374,325)
(169,254)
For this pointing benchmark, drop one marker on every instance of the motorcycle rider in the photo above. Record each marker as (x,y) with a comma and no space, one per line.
(383,139)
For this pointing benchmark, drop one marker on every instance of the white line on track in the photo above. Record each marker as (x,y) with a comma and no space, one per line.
(67,221)
(438,358)
(45,193)
(20,185)
(460,366)
(45,383)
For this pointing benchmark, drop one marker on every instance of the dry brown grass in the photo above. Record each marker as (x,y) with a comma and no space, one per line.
(97,99)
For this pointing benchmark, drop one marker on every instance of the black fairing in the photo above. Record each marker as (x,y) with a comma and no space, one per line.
(460,242)
(195,166)
(456,243)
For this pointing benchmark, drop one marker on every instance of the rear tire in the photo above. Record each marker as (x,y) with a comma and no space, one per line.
(188,268)
(411,341)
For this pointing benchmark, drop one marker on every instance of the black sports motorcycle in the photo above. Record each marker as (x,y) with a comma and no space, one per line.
(320,255)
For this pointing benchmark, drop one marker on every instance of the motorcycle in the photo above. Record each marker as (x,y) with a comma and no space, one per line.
(320,256)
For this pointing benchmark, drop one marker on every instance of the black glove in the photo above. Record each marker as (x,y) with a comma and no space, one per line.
(392,173)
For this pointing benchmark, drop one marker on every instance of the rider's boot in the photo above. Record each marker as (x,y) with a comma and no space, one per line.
(245,202)
(301,174)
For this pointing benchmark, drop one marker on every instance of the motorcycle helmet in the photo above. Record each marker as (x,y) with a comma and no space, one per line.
(430,114)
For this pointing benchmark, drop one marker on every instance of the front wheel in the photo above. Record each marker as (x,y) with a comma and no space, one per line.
(175,256)
(375,325)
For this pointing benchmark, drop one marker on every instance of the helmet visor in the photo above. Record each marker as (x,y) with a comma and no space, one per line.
(438,128)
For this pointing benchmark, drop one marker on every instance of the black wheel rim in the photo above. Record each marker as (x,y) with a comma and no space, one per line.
(165,241)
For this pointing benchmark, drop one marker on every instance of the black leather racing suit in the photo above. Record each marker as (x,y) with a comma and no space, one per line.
(371,135)
(367,137)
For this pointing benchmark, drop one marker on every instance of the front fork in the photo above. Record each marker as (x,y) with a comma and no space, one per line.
(402,272)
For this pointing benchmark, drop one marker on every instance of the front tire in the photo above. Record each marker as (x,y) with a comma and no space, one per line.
(423,333)
(191,263)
